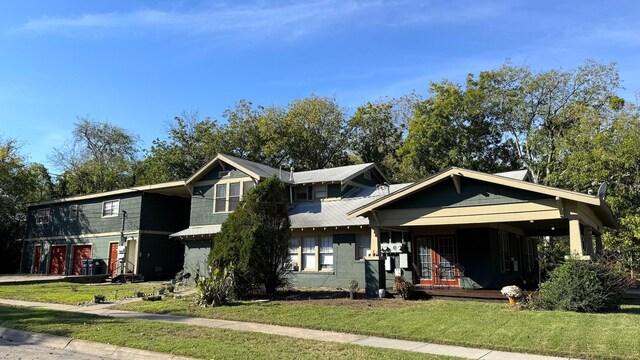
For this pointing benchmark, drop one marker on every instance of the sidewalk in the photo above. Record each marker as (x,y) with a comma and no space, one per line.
(93,350)
(319,335)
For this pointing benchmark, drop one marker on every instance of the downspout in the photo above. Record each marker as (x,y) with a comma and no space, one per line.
(291,186)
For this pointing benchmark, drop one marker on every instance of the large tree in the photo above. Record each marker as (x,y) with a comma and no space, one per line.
(20,184)
(255,239)
(100,157)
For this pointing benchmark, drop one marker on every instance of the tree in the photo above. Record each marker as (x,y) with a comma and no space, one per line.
(254,239)
(192,142)
(453,127)
(101,157)
(20,184)
(314,133)
(376,135)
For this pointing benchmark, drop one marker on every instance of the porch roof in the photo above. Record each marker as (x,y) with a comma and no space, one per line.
(599,207)
(197,231)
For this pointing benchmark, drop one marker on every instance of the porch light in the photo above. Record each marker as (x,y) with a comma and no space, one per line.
(531,221)
(553,228)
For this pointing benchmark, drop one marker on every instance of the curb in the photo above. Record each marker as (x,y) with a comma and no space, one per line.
(11,337)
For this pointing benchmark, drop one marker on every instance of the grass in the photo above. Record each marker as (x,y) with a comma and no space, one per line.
(185,340)
(69,293)
(465,323)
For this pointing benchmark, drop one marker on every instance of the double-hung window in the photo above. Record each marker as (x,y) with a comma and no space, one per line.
(309,253)
(363,246)
(221,198)
(234,195)
(110,208)
(302,193)
(326,252)
(42,216)
(319,191)
(293,258)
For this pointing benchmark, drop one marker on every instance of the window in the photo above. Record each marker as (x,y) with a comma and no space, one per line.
(319,191)
(73,212)
(309,253)
(326,252)
(234,195)
(302,193)
(367,175)
(246,186)
(294,247)
(221,198)
(505,253)
(110,208)
(42,216)
(363,246)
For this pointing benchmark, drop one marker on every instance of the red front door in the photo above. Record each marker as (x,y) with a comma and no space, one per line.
(80,252)
(37,254)
(58,256)
(437,260)
(113,258)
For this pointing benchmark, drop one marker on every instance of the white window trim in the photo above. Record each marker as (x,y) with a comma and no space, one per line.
(112,215)
(317,255)
(358,240)
(39,219)
(226,183)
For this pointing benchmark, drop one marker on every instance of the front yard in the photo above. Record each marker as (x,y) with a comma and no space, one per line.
(185,340)
(465,323)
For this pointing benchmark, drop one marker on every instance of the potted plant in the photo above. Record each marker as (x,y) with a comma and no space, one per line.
(353,288)
(512,292)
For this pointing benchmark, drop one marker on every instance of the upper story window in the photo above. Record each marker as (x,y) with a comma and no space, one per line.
(367,175)
(43,216)
(110,208)
(227,195)
(73,212)
(319,191)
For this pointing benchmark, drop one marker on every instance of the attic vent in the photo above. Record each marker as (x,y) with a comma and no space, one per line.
(223,173)
(367,175)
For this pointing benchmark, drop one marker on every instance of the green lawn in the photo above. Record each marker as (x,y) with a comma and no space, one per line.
(69,293)
(466,323)
(185,340)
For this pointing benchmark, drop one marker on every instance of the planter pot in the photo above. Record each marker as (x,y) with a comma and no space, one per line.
(512,300)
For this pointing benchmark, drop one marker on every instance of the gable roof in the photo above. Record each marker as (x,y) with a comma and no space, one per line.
(523,174)
(260,171)
(253,169)
(594,201)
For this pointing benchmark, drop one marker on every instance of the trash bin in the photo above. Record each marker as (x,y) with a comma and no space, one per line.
(86,267)
(97,267)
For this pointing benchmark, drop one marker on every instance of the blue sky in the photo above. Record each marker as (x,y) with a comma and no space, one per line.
(137,64)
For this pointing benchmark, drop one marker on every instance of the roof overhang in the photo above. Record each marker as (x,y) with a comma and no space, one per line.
(598,205)
(197,231)
(220,158)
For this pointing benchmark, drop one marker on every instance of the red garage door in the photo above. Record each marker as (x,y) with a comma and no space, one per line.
(58,256)
(80,252)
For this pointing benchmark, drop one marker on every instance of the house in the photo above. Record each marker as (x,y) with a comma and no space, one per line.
(457,228)
(136,222)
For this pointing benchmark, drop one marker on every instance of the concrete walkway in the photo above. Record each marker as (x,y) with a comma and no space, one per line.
(319,335)
(46,343)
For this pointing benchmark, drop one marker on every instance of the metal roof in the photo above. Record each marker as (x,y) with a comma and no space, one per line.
(332,213)
(336,174)
(264,171)
(516,174)
(198,231)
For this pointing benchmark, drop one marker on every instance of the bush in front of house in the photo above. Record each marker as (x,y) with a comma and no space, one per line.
(403,287)
(218,288)
(583,286)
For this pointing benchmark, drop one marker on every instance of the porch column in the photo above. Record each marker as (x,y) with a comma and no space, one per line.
(588,240)
(375,241)
(575,240)
(599,248)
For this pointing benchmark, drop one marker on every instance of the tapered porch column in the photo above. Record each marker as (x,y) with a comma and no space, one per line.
(599,247)
(588,240)
(575,240)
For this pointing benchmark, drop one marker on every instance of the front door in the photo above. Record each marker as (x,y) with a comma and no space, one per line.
(436,259)
(37,254)
(58,259)
(80,252)
(113,258)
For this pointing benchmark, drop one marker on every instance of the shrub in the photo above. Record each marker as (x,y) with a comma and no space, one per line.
(99,298)
(217,289)
(353,286)
(583,286)
(402,287)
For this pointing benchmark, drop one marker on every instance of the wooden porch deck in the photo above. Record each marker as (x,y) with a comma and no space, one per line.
(459,294)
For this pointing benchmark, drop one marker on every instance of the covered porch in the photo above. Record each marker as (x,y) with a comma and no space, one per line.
(469,230)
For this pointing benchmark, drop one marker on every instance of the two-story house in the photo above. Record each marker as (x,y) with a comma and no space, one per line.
(132,225)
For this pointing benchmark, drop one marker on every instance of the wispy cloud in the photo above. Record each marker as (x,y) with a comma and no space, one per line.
(290,20)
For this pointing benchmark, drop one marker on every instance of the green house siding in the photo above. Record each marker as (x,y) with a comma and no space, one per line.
(333,190)
(196,256)
(160,257)
(90,220)
(164,213)
(473,193)
(376,178)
